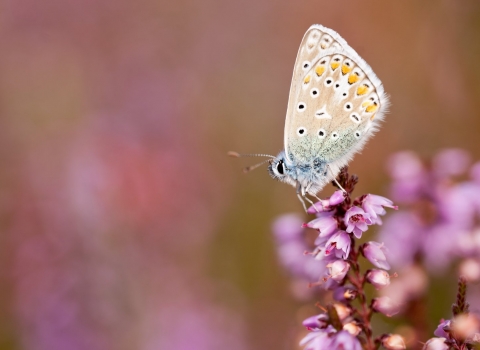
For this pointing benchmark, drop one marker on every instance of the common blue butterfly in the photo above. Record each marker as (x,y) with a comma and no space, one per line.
(335,105)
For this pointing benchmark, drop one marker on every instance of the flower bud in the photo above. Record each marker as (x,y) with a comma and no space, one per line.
(385,305)
(338,269)
(440,331)
(325,205)
(353,328)
(470,269)
(343,310)
(465,326)
(436,344)
(376,253)
(344,293)
(393,342)
(336,198)
(317,321)
(378,278)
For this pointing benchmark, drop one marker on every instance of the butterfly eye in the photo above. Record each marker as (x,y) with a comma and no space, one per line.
(348,106)
(357,134)
(301,107)
(301,131)
(355,118)
(335,135)
(321,133)
(328,82)
(280,167)
(314,92)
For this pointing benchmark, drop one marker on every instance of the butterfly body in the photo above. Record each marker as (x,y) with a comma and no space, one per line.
(335,105)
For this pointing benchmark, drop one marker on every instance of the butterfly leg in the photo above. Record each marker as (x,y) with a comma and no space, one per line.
(319,200)
(309,201)
(301,196)
(307,191)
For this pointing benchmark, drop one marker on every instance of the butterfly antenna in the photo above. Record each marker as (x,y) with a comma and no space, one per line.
(238,155)
(252,167)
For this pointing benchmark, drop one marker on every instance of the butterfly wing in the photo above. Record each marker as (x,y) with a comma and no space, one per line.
(335,102)
(316,41)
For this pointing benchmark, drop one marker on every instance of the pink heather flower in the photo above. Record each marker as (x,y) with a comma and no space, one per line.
(385,305)
(338,269)
(318,339)
(409,176)
(374,206)
(344,340)
(357,220)
(316,322)
(378,278)
(405,231)
(470,269)
(343,311)
(345,293)
(288,227)
(335,199)
(466,326)
(451,162)
(436,344)
(393,342)
(339,244)
(376,253)
(440,331)
(325,223)
(353,328)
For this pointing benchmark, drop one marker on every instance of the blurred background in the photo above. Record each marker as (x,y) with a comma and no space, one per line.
(123,223)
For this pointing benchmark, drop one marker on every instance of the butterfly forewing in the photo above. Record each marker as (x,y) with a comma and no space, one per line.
(316,41)
(335,100)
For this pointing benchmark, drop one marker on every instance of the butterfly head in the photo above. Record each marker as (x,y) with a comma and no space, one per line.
(280,168)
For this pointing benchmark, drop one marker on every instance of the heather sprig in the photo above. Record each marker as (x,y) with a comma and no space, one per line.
(462,332)
(340,225)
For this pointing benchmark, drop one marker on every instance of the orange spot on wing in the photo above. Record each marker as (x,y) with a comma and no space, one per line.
(307,79)
(319,70)
(334,65)
(345,69)
(372,117)
(362,90)
(366,103)
(372,108)
(352,78)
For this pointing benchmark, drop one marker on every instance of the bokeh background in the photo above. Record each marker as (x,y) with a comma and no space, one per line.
(123,223)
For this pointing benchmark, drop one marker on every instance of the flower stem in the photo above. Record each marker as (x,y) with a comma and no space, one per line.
(364,312)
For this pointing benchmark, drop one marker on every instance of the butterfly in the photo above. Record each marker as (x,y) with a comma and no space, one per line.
(335,105)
